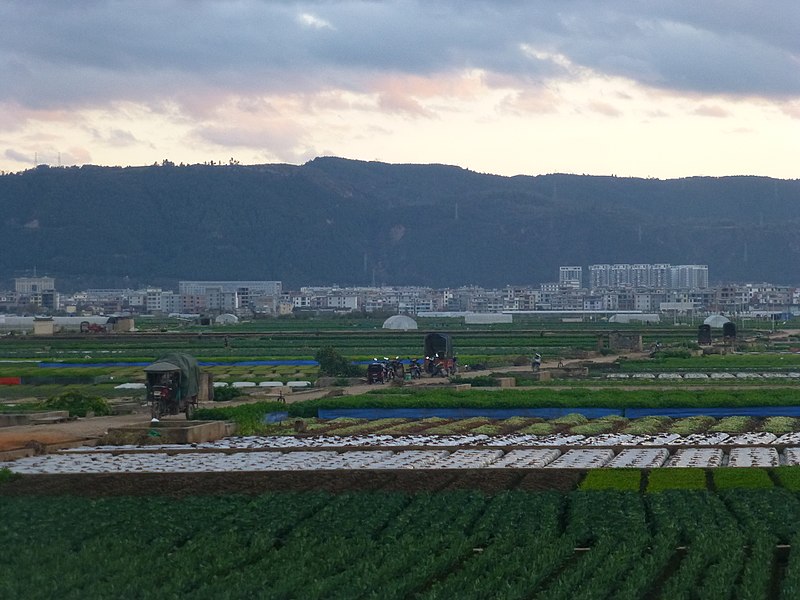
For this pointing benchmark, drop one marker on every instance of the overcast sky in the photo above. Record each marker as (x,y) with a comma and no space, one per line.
(645,88)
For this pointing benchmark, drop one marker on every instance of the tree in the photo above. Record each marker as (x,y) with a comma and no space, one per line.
(332,363)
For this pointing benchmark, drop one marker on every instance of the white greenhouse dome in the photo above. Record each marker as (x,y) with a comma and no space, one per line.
(226,319)
(716,321)
(400,322)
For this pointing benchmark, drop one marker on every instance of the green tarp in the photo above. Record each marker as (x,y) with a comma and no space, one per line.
(439,343)
(187,365)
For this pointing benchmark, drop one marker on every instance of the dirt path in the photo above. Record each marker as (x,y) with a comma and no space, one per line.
(21,436)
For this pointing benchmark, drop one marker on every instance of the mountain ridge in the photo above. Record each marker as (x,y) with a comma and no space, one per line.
(335,220)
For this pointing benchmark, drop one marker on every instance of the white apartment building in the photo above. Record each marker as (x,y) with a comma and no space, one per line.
(571,277)
(27,286)
(620,275)
(245,292)
(599,276)
(689,276)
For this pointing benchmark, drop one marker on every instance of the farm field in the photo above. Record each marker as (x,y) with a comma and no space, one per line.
(589,543)
(30,359)
(523,507)
(578,398)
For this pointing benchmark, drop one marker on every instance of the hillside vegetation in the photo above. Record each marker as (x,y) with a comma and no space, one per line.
(350,222)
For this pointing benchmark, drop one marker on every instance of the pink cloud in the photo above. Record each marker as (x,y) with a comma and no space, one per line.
(281,138)
(399,102)
(791,109)
(405,93)
(14,117)
(539,101)
(76,156)
(707,110)
(605,108)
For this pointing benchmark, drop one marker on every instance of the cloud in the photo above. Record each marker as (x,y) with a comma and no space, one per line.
(398,102)
(281,79)
(314,22)
(55,53)
(706,110)
(532,101)
(117,138)
(791,109)
(604,108)
(280,139)
(19,157)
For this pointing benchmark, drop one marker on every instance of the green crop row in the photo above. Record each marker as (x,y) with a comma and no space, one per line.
(547,398)
(584,544)
(250,415)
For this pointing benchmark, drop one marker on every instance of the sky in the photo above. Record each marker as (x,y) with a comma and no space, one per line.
(630,88)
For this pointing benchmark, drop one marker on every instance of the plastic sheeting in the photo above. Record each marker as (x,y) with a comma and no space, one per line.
(275,417)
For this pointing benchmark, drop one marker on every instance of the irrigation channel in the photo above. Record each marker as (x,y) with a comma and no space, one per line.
(421,452)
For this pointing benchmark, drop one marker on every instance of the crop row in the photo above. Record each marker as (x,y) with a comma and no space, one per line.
(598,544)
(547,398)
(574,424)
(716,361)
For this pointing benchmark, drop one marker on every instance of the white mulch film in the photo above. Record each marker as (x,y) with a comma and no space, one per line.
(696,457)
(714,375)
(789,438)
(582,459)
(753,457)
(702,439)
(745,439)
(468,459)
(791,456)
(412,459)
(482,441)
(642,458)
(534,458)
(131,459)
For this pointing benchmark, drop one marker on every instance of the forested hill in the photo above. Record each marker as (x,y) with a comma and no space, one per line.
(349,222)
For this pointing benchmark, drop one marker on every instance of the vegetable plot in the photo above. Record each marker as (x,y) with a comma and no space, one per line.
(585,544)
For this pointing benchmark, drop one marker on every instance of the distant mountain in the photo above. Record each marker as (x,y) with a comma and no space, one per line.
(350,222)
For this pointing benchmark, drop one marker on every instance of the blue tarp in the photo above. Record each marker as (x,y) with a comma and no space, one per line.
(275,417)
(461,413)
(553,413)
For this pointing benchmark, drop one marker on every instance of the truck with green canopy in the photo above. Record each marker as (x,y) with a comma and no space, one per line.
(173,384)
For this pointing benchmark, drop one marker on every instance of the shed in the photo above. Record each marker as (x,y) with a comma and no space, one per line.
(121,323)
(44,326)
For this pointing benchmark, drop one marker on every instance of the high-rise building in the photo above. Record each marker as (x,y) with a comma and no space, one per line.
(570,277)
(599,276)
(34,285)
(640,276)
(689,277)
(620,276)
(660,275)
(220,291)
